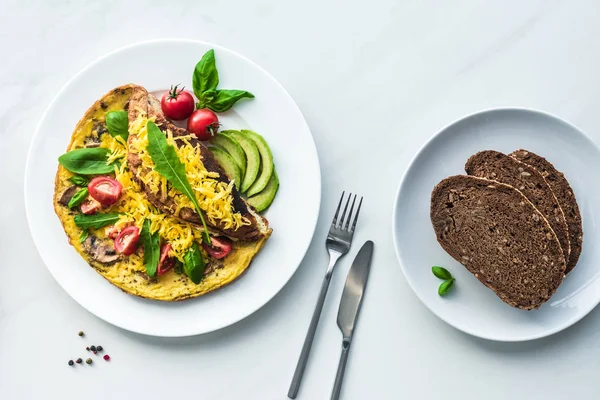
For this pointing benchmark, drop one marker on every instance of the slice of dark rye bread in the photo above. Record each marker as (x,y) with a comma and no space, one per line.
(499,167)
(565,196)
(500,237)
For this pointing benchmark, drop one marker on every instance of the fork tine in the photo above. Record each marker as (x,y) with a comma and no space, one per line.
(350,214)
(345,209)
(335,217)
(356,216)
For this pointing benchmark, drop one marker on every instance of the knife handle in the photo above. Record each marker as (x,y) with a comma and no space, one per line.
(339,377)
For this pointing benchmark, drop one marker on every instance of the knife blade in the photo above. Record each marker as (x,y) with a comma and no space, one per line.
(352,296)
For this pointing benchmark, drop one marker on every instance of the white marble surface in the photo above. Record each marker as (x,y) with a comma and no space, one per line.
(389,71)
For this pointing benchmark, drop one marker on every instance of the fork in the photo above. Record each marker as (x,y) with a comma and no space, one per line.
(338,243)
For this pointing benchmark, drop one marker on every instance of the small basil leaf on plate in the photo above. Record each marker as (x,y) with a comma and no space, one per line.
(445,286)
(78,197)
(206,76)
(84,235)
(95,221)
(87,161)
(79,180)
(117,123)
(226,98)
(193,264)
(441,272)
(151,243)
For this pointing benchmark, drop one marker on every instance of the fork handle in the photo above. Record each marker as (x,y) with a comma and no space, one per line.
(295,385)
(339,376)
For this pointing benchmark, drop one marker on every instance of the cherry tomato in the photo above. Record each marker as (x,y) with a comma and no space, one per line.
(203,123)
(90,206)
(219,247)
(177,104)
(165,263)
(106,190)
(127,241)
(111,231)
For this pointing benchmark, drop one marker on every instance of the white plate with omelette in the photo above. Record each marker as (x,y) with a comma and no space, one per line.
(272,113)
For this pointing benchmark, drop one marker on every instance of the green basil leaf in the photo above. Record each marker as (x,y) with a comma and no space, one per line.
(78,197)
(441,273)
(117,123)
(445,287)
(206,76)
(84,235)
(87,161)
(178,267)
(79,180)
(96,221)
(168,164)
(151,243)
(193,264)
(226,98)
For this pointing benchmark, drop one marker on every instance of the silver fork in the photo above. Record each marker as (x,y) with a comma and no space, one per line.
(338,243)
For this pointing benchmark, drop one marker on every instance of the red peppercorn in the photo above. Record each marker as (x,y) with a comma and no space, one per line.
(87,348)
(94,352)
(106,357)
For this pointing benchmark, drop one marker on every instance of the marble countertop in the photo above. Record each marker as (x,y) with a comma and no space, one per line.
(392,72)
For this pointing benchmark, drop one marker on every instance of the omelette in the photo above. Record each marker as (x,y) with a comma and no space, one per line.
(166,224)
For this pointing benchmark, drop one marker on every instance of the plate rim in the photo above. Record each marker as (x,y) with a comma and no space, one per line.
(395,223)
(52,104)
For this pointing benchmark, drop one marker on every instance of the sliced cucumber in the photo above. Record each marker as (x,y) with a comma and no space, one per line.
(252,157)
(228,164)
(266,160)
(264,199)
(234,149)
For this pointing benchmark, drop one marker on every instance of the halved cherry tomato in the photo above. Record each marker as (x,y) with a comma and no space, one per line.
(165,262)
(177,104)
(127,241)
(219,247)
(106,190)
(90,206)
(112,232)
(203,123)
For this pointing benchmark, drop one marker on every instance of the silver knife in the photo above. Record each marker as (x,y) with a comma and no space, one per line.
(350,306)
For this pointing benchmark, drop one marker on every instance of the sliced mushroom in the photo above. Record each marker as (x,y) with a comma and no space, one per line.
(65,198)
(101,250)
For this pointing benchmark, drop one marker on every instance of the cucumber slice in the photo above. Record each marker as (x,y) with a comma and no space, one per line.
(252,157)
(228,164)
(266,160)
(233,148)
(264,199)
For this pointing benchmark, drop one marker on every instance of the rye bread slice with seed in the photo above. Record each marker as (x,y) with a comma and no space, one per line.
(565,196)
(500,237)
(499,167)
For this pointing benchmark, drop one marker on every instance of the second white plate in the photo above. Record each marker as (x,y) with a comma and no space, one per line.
(470,306)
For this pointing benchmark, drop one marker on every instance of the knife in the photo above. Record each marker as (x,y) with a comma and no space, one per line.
(354,290)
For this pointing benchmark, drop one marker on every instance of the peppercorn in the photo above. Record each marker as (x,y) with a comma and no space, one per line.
(99,348)
(94,352)
(71,362)
(88,361)
(93,348)
(80,333)
(79,361)
(106,357)
(87,348)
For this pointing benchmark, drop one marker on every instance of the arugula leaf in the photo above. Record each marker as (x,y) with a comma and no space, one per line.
(118,124)
(151,243)
(79,180)
(206,76)
(193,264)
(87,161)
(78,197)
(226,98)
(84,235)
(96,221)
(168,164)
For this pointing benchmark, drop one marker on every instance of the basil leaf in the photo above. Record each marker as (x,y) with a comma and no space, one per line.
(445,286)
(87,161)
(167,163)
(226,98)
(79,180)
(96,221)
(206,76)
(441,273)
(178,267)
(151,243)
(193,264)
(84,235)
(78,197)
(118,124)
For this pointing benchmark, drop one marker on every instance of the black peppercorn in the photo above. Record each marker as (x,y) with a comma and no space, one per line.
(99,348)
(79,361)
(71,362)
(93,348)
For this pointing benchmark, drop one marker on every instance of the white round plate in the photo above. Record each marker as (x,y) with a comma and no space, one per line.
(293,216)
(470,306)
